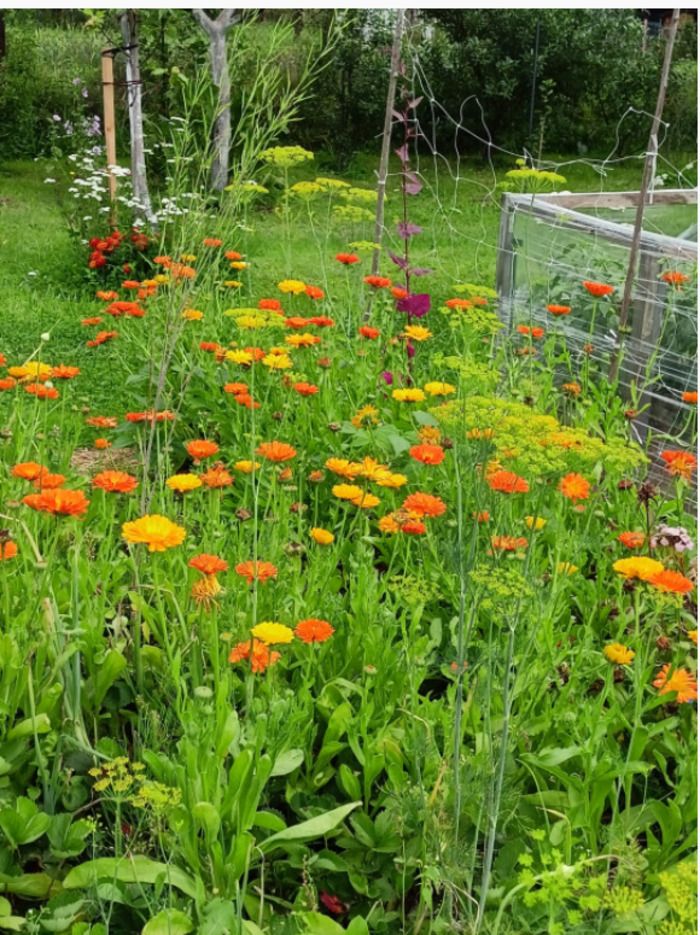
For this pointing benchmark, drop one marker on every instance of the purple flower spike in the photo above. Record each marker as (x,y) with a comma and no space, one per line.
(406,229)
(415,306)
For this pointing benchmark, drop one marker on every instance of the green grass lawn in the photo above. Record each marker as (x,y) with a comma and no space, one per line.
(41,291)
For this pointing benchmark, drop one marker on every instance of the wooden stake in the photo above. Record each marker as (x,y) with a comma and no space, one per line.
(109,122)
(386,138)
(647,178)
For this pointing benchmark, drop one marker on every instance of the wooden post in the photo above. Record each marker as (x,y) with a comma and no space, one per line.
(386,138)
(109,122)
(647,178)
(505,263)
(646,331)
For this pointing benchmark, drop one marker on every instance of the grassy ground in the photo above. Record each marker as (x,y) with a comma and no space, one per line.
(41,292)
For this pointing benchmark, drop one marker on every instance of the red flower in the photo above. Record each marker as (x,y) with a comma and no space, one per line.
(347,259)
(597,289)
(367,332)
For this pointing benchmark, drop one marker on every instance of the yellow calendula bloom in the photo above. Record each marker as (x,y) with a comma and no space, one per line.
(321,536)
(292,286)
(161,279)
(535,522)
(417,333)
(192,314)
(618,654)
(566,568)
(32,370)
(246,467)
(270,632)
(347,491)
(343,467)
(409,395)
(371,468)
(365,415)
(188,257)
(388,525)
(233,283)
(436,388)
(183,482)
(239,357)
(239,264)
(638,567)
(157,532)
(387,479)
(277,361)
(365,501)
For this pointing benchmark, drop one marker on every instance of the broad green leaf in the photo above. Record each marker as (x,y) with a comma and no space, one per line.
(208,818)
(137,869)
(27,728)
(318,924)
(313,828)
(112,667)
(168,922)
(287,762)
(358,926)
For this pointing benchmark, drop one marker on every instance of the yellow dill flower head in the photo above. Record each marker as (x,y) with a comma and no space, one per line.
(535,522)
(284,157)
(291,286)
(417,333)
(409,395)
(183,482)
(638,567)
(305,189)
(618,654)
(239,357)
(251,321)
(437,388)
(321,536)
(270,632)
(332,183)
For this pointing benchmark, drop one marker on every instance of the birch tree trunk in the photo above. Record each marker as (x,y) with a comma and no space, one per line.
(139,179)
(216,30)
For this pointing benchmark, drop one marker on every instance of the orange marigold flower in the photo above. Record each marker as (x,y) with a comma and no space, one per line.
(424,504)
(675,278)
(639,567)
(458,303)
(212,242)
(64,502)
(314,292)
(109,296)
(101,338)
(102,443)
(271,305)
(347,491)
(632,540)
(399,293)
(276,451)
(321,536)
(597,289)
(305,389)
(414,527)
(233,255)
(507,482)
(483,516)
(49,481)
(534,332)
(313,630)
(574,389)
(690,397)
(201,448)
(574,487)
(427,454)
(115,482)
(388,525)
(64,372)
(347,259)
(8,383)
(102,422)
(680,463)
(256,571)
(618,654)
(28,470)
(235,389)
(157,532)
(680,681)
(302,340)
(365,331)
(217,476)
(258,653)
(296,321)
(671,582)
(321,321)
(41,391)
(559,309)
(377,282)
(508,543)
(8,550)
(365,501)
(208,564)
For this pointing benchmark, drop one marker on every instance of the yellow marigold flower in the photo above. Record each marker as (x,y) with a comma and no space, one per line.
(365,501)
(269,632)
(188,257)
(246,467)
(321,536)
(239,357)
(32,370)
(429,435)
(293,286)
(409,395)
(277,361)
(233,283)
(387,479)
(192,314)
(388,525)
(535,522)
(619,654)
(566,568)
(347,491)
(157,532)
(436,388)
(344,468)
(365,414)
(183,482)
(302,340)
(239,264)
(371,468)
(161,278)
(417,333)
(638,567)
(693,635)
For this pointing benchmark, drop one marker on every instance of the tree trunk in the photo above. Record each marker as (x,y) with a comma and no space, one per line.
(216,30)
(139,179)
(3,39)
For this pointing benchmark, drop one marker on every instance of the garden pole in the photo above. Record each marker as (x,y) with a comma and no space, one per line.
(109,123)
(647,176)
(386,142)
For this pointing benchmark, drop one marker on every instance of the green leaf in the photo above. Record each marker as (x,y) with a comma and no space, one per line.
(207,817)
(137,869)
(24,823)
(168,922)
(313,828)
(358,926)
(27,728)
(318,924)
(112,667)
(287,762)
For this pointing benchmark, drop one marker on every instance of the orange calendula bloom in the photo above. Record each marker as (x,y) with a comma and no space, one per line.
(256,571)
(321,536)
(102,422)
(632,540)
(212,242)
(115,482)
(671,582)
(377,282)
(313,630)
(255,651)
(276,451)
(507,482)
(618,654)
(559,309)
(235,389)
(208,564)
(458,303)
(49,481)
(102,443)
(414,527)
(347,259)
(157,532)
(427,454)
(305,389)
(8,550)
(41,391)
(200,449)
(639,567)
(508,543)
(424,504)
(573,389)
(675,278)
(28,470)
(388,525)
(64,372)
(314,292)
(680,463)
(8,383)
(216,477)
(58,502)
(597,289)
(690,397)
(574,487)
(680,681)
(366,331)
